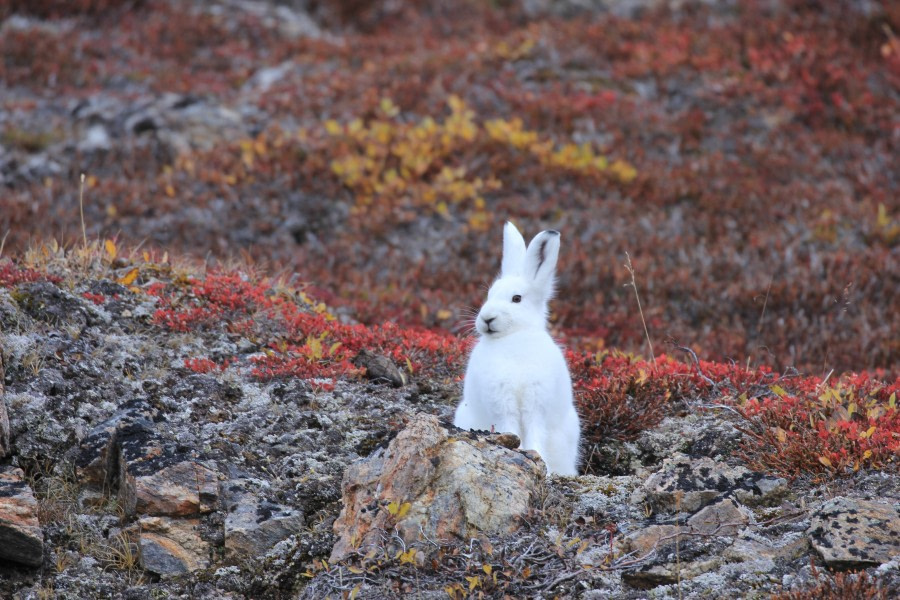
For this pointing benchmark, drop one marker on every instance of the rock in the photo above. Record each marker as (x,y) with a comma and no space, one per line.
(723,518)
(254,526)
(379,368)
(645,540)
(97,465)
(155,479)
(96,138)
(851,533)
(437,482)
(183,489)
(172,546)
(4,415)
(685,485)
(46,302)
(21,536)
(787,547)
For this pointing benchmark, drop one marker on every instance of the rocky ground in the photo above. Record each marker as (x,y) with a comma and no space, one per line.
(133,470)
(213,427)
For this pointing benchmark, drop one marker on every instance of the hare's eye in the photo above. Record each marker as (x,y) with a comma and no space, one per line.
(517,298)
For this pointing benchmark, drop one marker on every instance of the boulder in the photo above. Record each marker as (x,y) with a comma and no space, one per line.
(855,534)
(437,482)
(21,536)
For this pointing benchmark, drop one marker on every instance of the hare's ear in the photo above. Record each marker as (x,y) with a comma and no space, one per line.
(513,251)
(540,261)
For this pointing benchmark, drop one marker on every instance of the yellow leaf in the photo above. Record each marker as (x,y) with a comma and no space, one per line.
(487,569)
(867,454)
(883,220)
(443,314)
(825,461)
(110,249)
(355,570)
(393,508)
(892,401)
(315,347)
(354,592)
(867,433)
(473,582)
(170,191)
(333,348)
(333,127)
(129,277)
(404,508)
(778,391)
(146,256)
(780,434)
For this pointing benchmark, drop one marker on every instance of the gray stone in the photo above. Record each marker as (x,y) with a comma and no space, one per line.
(254,526)
(851,533)
(21,536)
(723,518)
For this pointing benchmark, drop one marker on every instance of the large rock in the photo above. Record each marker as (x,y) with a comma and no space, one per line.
(851,533)
(21,537)
(171,547)
(438,482)
(685,485)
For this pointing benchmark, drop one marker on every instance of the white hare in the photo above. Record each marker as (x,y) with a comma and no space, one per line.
(517,380)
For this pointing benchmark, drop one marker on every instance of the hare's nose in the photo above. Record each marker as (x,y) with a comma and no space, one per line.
(488,321)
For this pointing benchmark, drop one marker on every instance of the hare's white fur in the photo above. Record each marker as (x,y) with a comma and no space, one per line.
(517,380)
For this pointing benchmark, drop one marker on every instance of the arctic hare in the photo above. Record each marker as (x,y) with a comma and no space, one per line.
(517,380)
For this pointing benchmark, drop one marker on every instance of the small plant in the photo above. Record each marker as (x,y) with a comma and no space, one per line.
(823,431)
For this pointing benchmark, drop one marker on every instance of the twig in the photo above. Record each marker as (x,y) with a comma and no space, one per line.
(762,315)
(715,386)
(3,242)
(81,210)
(561,579)
(630,268)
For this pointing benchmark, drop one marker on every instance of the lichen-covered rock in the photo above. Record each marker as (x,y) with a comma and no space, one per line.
(852,533)
(49,303)
(252,525)
(96,463)
(722,518)
(21,536)
(172,546)
(436,482)
(684,484)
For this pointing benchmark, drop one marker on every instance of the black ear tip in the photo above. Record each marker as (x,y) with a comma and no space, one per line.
(552,232)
